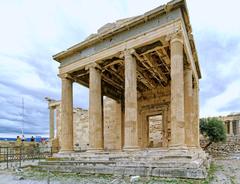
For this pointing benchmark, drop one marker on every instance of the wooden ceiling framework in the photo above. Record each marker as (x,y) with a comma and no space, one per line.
(153,69)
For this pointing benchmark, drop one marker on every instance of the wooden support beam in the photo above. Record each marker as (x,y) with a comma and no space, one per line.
(165,60)
(146,66)
(110,91)
(86,84)
(144,80)
(152,50)
(113,63)
(115,74)
(151,82)
(164,55)
(155,68)
(112,82)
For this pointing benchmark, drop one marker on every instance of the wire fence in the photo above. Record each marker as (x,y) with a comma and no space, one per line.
(21,153)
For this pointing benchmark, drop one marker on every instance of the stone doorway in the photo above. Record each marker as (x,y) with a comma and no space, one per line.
(155,131)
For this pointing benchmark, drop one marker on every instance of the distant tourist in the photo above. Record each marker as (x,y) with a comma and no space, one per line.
(43,141)
(32,139)
(18,140)
(23,138)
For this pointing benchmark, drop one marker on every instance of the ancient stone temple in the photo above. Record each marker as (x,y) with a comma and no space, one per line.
(148,66)
(232,124)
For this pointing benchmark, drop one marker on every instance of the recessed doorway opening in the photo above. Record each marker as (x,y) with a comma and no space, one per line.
(155,127)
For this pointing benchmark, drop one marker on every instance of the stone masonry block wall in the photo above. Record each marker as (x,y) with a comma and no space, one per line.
(155,130)
(112,125)
(80,128)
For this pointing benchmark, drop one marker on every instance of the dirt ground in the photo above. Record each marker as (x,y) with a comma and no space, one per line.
(227,170)
(222,171)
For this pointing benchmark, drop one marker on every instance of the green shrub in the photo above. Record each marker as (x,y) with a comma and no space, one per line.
(213,129)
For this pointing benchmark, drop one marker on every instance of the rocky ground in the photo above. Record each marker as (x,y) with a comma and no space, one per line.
(225,170)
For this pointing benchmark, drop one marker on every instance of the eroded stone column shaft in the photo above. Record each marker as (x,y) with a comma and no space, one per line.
(231,127)
(177,93)
(196,140)
(131,135)
(188,106)
(51,123)
(95,110)
(67,116)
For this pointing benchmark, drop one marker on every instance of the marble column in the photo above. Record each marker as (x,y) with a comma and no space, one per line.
(231,127)
(188,110)
(51,123)
(95,110)
(67,116)
(196,132)
(131,133)
(177,93)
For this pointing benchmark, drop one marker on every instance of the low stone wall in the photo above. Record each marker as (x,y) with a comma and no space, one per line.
(232,145)
(15,143)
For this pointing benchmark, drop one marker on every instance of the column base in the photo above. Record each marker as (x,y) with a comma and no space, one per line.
(194,147)
(93,150)
(131,148)
(178,147)
(65,151)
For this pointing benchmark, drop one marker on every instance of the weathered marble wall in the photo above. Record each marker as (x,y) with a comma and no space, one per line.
(113,128)
(80,128)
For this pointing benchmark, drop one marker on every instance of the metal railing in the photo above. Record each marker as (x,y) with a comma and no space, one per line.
(21,153)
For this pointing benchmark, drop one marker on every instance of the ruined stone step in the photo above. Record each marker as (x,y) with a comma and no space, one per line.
(128,163)
(181,172)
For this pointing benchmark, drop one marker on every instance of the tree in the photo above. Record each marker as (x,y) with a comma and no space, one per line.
(213,129)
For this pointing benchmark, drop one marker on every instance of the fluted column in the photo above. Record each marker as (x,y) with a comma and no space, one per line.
(177,93)
(196,132)
(51,123)
(188,104)
(131,134)
(67,116)
(95,110)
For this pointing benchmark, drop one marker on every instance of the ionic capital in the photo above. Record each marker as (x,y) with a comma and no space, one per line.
(66,76)
(129,52)
(187,67)
(93,65)
(175,37)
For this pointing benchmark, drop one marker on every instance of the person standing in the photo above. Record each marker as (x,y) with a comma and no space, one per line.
(32,139)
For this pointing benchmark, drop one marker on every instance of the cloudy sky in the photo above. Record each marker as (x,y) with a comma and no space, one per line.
(32,31)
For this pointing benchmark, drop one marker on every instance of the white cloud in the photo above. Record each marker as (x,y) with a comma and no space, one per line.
(220,17)
(215,104)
